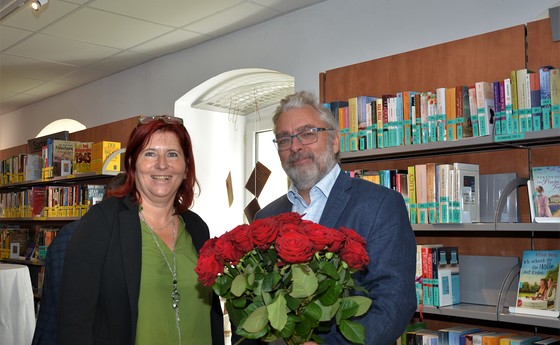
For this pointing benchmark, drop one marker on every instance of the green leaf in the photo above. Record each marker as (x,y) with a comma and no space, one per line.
(329,269)
(222,285)
(238,285)
(348,308)
(328,312)
(313,311)
(363,303)
(288,329)
(239,302)
(256,321)
(293,303)
(304,282)
(277,312)
(332,294)
(270,281)
(353,331)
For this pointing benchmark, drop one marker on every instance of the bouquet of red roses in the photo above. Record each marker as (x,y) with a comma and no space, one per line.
(285,277)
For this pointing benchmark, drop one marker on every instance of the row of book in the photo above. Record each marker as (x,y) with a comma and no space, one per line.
(524,101)
(433,193)
(50,201)
(418,334)
(437,275)
(59,158)
(28,245)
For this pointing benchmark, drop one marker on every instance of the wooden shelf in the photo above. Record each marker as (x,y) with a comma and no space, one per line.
(486,143)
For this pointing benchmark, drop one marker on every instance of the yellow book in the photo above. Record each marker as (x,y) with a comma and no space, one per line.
(100,151)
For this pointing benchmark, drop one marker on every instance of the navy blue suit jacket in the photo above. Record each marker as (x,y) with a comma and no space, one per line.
(45,329)
(379,215)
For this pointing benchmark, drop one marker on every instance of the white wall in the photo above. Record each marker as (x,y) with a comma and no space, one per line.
(302,44)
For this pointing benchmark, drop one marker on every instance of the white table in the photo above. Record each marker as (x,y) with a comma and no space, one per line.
(17,311)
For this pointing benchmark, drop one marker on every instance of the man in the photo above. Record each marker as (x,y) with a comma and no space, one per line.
(45,330)
(307,139)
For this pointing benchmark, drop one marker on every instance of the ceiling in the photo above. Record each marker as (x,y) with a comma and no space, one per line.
(69,43)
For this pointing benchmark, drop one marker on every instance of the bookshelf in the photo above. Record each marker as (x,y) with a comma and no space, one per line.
(487,57)
(114,131)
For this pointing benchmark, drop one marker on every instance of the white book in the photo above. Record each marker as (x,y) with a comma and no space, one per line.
(467,179)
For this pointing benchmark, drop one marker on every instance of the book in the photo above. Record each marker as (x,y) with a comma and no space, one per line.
(533,79)
(494,339)
(62,150)
(555,97)
(32,167)
(537,293)
(544,194)
(448,275)
(95,193)
(523,99)
(485,106)
(82,157)
(544,76)
(100,151)
(477,337)
(519,340)
(421,193)
(468,186)
(414,326)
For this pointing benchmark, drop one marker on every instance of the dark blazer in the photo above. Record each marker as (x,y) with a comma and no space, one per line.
(379,215)
(45,329)
(101,281)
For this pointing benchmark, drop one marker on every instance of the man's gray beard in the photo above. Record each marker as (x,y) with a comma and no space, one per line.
(304,178)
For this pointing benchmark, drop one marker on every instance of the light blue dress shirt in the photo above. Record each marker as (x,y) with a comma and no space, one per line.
(318,196)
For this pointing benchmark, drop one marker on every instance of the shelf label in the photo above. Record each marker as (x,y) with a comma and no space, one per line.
(509,137)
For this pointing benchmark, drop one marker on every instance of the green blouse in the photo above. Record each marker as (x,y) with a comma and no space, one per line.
(156,316)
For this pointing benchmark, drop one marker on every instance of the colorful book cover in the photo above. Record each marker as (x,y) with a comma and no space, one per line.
(82,157)
(538,278)
(62,150)
(545,193)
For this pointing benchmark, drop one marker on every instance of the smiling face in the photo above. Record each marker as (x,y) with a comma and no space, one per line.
(306,164)
(160,169)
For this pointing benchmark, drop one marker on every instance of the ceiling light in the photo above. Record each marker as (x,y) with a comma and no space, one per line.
(36,4)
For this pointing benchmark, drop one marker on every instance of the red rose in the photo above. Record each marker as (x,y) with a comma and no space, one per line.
(263,232)
(294,247)
(290,228)
(289,218)
(324,238)
(241,239)
(226,248)
(353,252)
(209,265)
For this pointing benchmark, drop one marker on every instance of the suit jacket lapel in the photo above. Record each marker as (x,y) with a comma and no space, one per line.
(336,203)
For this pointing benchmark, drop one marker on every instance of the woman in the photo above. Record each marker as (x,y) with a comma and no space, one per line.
(129,275)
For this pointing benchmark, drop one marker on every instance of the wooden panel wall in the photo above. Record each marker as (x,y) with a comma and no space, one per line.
(487,57)
(541,49)
(114,131)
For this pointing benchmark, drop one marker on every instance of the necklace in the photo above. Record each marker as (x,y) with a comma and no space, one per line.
(159,227)
(175,294)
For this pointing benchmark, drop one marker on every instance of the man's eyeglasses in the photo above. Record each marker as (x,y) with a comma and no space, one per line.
(171,120)
(305,137)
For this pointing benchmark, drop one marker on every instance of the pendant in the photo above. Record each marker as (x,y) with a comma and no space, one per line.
(175,296)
